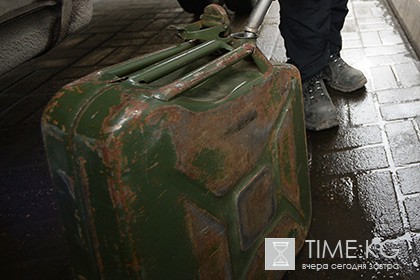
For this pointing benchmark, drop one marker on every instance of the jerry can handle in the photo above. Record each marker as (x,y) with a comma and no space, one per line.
(128,67)
(173,63)
(174,89)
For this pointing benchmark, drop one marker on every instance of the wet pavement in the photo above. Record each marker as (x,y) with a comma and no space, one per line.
(365,174)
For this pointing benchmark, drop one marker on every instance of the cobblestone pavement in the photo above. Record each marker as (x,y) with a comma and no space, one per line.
(365,174)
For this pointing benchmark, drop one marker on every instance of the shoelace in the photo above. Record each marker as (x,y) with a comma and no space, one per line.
(337,61)
(313,88)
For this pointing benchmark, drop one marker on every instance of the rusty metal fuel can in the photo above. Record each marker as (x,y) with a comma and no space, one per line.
(178,164)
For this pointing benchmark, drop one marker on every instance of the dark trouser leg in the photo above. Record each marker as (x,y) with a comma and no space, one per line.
(305,28)
(338,15)
(338,74)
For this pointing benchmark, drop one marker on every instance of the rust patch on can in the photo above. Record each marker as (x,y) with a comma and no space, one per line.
(256,207)
(90,213)
(110,149)
(209,242)
(287,160)
(237,130)
(51,106)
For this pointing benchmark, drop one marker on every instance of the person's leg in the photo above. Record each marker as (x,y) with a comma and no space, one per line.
(338,74)
(305,28)
(338,15)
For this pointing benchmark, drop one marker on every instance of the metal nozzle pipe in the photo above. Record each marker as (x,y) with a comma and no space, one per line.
(257,16)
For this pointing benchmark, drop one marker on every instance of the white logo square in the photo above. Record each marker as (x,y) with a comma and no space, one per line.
(279,254)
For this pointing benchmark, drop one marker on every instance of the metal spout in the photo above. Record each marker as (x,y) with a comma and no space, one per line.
(256,18)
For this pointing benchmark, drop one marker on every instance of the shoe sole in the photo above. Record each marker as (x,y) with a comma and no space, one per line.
(359,85)
(323,126)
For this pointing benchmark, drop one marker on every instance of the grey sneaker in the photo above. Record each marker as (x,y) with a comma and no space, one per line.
(320,112)
(341,76)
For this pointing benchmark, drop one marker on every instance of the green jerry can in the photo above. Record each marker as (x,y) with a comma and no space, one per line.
(178,164)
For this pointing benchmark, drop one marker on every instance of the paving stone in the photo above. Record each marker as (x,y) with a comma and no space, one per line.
(92,42)
(159,24)
(350,36)
(104,21)
(173,11)
(148,34)
(113,17)
(29,83)
(74,73)
(399,95)
(130,35)
(383,78)
(390,59)
(127,42)
(73,41)
(352,55)
(104,29)
(348,137)
(404,143)
(68,52)
(343,110)
(412,208)
(409,179)
(147,14)
(7,101)
(119,55)
(351,44)
(151,49)
(386,50)
(183,20)
(337,192)
(59,63)
(375,26)
(138,25)
(9,79)
(379,12)
(362,10)
(379,203)
(400,111)
(362,111)
(370,38)
(408,74)
(166,37)
(95,57)
(52,87)
(390,37)
(22,110)
(361,159)
(373,20)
